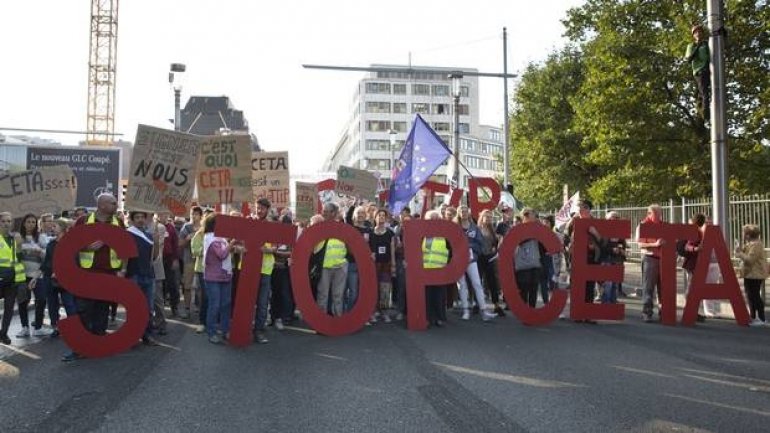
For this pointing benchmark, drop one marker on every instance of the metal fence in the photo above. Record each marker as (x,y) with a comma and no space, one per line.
(742,211)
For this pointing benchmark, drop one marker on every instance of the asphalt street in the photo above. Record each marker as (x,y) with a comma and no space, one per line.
(467,377)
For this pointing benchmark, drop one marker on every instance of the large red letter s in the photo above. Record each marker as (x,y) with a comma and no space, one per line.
(103,287)
(417,277)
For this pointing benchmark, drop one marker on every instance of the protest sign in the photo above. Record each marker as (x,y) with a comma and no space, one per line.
(224,169)
(163,171)
(97,169)
(49,189)
(305,200)
(356,183)
(270,177)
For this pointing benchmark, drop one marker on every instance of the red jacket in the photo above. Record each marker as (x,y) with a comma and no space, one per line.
(654,250)
(171,243)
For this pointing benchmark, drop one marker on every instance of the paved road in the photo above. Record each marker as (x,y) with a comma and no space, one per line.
(467,377)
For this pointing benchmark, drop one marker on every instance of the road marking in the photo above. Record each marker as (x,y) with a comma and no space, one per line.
(714,373)
(23,352)
(640,371)
(720,405)
(336,358)
(294,328)
(748,386)
(519,380)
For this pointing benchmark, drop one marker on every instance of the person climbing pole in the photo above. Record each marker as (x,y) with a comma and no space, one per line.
(699,57)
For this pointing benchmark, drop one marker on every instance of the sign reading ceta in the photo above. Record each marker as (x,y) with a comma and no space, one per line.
(87,284)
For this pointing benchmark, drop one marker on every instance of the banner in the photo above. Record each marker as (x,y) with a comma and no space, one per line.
(356,183)
(49,189)
(97,170)
(270,177)
(163,171)
(224,170)
(305,200)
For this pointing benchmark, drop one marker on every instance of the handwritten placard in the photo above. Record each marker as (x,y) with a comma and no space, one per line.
(356,183)
(224,169)
(49,189)
(163,171)
(305,199)
(270,177)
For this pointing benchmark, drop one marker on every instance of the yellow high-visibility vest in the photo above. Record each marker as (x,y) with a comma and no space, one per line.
(87,257)
(435,254)
(268,261)
(8,259)
(335,254)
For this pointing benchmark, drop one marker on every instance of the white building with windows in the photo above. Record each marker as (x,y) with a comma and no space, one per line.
(385,103)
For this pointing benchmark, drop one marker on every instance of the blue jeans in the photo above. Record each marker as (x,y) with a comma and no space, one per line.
(147,284)
(610,289)
(351,292)
(218,294)
(263,301)
(203,302)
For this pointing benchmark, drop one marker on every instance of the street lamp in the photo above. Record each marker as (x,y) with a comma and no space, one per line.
(175,75)
(456,78)
(392,134)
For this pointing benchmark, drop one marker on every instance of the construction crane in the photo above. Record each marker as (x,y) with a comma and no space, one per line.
(102,68)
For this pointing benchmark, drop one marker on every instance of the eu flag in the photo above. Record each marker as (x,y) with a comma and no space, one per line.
(422,154)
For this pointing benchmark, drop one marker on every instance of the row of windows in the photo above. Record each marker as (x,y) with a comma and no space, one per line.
(417,89)
(387,126)
(383,145)
(480,146)
(482,163)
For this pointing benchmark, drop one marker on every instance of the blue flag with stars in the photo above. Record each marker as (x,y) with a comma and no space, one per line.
(423,153)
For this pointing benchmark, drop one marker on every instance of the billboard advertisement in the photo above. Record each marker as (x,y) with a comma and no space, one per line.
(97,170)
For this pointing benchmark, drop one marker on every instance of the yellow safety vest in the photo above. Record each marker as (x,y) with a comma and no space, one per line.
(435,254)
(8,259)
(335,254)
(268,261)
(87,257)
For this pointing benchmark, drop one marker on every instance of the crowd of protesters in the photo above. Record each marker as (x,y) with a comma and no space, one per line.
(186,272)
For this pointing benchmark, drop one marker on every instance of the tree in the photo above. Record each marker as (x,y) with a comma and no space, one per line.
(634,109)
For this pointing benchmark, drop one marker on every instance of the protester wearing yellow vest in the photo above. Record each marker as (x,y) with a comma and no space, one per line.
(265,286)
(12,277)
(435,255)
(334,270)
(98,257)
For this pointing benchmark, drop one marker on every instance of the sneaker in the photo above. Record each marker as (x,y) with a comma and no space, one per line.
(466,315)
(5,340)
(200,330)
(647,318)
(756,323)
(260,338)
(278,324)
(487,315)
(215,339)
(386,318)
(373,319)
(40,333)
(399,317)
(24,333)
(72,356)
(439,323)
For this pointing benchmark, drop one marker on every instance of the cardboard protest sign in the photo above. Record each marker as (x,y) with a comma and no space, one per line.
(356,183)
(305,200)
(270,177)
(49,189)
(163,171)
(224,169)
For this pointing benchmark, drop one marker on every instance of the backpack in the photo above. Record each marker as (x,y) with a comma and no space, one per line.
(681,249)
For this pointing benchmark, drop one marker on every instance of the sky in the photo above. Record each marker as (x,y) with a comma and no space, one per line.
(252,51)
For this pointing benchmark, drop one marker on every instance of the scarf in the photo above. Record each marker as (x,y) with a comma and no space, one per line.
(139,233)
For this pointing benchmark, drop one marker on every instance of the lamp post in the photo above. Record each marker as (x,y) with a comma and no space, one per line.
(175,79)
(392,134)
(456,80)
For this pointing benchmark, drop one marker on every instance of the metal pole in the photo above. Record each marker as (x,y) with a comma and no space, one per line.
(177,109)
(456,174)
(718,121)
(506,156)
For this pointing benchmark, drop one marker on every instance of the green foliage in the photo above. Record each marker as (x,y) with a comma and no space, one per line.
(614,115)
